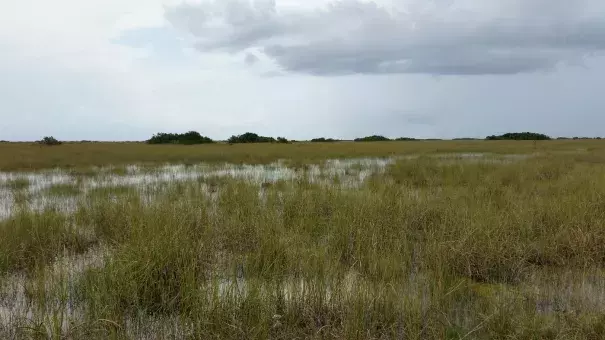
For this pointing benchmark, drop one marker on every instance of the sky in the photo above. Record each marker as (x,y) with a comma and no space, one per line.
(126,69)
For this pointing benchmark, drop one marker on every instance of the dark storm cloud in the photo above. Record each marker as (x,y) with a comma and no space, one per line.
(354,37)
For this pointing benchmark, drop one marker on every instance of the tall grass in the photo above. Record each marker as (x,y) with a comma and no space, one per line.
(433,248)
(30,239)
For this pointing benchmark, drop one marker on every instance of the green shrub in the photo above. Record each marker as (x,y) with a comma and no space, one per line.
(250,137)
(520,136)
(50,141)
(374,138)
(188,138)
(323,140)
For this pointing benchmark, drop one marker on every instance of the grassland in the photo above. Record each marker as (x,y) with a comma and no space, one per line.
(31,156)
(444,243)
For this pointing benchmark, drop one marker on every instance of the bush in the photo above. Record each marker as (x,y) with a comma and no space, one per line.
(49,141)
(373,138)
(520,136)
(250,137)
(282,140)
(188,138)
(323,140)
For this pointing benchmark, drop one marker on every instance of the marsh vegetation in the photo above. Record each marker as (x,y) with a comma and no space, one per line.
(424,240)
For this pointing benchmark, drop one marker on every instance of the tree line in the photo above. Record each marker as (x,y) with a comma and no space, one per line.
(194,137)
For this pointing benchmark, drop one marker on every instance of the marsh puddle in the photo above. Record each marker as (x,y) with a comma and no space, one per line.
(62,190)
(20,295)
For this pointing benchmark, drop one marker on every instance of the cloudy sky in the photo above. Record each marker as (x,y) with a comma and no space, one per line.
(124,69)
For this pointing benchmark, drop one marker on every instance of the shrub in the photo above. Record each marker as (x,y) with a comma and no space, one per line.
(323,140)
(188,138)
(374,138)
(519,136)
(250,137)
(49,141)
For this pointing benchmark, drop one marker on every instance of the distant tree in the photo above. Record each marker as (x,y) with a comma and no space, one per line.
(188,138)
(282,140)
(193,137)
(405,139)
(250,137)
(519,136)
(323,140)
(50,141)
(585,138)
(374,138)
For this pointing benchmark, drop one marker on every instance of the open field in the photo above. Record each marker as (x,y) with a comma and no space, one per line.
(394,240)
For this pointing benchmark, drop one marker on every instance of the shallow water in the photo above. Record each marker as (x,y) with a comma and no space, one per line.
(351,173)
(346,173)
(17,292)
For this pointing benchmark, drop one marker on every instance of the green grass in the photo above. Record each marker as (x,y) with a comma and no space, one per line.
(433,248)
(17,184)
(29,240)
(64,189)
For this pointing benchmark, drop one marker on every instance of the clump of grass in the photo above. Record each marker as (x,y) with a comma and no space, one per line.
(30,239)
(111,191)
(119,171)
(64,189)
(175,260)
(21,183)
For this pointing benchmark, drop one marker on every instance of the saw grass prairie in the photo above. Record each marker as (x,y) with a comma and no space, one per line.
(456,240)
(31,156)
